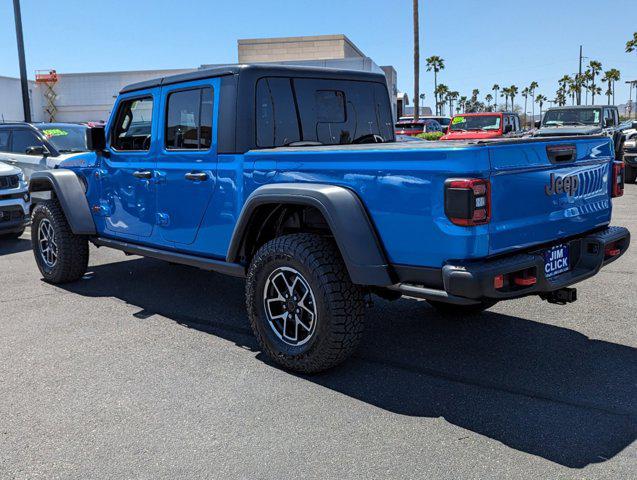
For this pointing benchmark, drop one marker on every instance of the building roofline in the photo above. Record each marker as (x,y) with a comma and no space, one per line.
(313,38)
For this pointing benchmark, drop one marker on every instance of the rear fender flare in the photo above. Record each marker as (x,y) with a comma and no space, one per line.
(346,217)
(69,191)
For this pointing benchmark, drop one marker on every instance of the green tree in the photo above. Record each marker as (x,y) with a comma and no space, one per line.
(532,87)
(572,90)
(513,91)
(525,93)
(595,68)
(452,97)
(436,64)
(416,60)
(505,93)
(489,99)
(631,45)
(496,89)
(540,100)
(463,103)
(441,93)
(610,77)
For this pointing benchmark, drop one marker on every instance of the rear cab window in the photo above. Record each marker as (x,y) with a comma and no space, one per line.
(329,112)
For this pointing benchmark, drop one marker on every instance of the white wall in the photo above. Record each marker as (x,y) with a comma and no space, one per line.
(83,97)
(11,100)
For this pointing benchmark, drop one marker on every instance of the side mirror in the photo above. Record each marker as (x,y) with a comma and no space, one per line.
(95,139)
(508,128)
(38,150)
(537,124)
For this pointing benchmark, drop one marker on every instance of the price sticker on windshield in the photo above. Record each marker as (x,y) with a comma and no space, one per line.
(55,132)
(458,120)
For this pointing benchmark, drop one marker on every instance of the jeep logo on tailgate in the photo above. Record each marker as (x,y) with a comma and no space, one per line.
(557,185)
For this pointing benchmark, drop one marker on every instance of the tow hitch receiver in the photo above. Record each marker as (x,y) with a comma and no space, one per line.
(560,297)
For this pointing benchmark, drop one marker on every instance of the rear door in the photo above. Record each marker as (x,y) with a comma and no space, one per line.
(546,190)
(187,159)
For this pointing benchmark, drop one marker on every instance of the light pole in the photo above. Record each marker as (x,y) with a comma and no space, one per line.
(23,65)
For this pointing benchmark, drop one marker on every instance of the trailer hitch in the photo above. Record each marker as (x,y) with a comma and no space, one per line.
(560,297)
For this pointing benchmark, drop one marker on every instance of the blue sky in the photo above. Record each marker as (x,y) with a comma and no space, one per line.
(482,42)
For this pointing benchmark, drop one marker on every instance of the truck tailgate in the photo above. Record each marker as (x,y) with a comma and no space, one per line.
(537,199)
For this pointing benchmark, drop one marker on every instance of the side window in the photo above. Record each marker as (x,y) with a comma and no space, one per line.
(23,139)
(133,125)
(277,123)
(189,120)
(4,139)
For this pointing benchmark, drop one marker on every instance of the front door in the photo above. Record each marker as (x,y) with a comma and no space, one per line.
(22,139)
(187,159)
(128,182)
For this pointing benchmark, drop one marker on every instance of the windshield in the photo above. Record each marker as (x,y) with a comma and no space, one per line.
(588,116)
(481,122)
(444,121)
(66,138)
(410,125)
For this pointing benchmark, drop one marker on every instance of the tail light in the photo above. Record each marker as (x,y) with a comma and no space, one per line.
(468,201)
(618,179)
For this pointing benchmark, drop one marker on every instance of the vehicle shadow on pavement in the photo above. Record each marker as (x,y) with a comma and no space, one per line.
(9,246)
(541,389)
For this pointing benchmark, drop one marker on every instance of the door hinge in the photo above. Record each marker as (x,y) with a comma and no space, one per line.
(162,219)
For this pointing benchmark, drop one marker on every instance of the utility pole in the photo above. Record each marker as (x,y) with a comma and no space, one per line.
(416,62)
(579,78)
(23,64)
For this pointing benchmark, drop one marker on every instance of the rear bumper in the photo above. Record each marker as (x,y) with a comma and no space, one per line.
(472,282)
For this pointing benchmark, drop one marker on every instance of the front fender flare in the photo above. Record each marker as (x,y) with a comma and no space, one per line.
(70,193)
(346,217)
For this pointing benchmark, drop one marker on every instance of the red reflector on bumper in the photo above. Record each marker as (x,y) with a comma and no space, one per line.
(498,281)
(525,281)
(612,252)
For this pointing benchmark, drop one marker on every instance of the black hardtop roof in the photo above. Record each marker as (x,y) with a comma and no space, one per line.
(260,70)
(580,107)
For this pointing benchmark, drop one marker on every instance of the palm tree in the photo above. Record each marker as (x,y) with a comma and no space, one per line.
(532,88)
(631,45)
(595,68)
(489,99)
(611,76)
(463,102)
(572,90)
(540,99)
(416,60)
(436,64)
(525,94)
(505,94)
(496,89)
(560,96)
(474,95)
(441,92)
(513,91)
(452,97)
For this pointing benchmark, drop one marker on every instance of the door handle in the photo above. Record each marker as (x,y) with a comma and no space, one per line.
(197,176)
(145,174)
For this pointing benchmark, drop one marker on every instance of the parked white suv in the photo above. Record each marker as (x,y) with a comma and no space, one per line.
(40,146)
(15,202)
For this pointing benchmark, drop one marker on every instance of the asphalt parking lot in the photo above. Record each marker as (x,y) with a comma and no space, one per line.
(149,370)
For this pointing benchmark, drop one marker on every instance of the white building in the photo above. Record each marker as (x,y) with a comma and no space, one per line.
(84,97)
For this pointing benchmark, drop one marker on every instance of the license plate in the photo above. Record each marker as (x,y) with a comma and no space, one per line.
(556,261)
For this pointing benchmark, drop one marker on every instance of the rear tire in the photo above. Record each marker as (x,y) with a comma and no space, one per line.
(304,310)
(450,309)
(630,172)
(60,255)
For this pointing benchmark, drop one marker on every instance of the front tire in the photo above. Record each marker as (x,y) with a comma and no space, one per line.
(60,255)
(304,310)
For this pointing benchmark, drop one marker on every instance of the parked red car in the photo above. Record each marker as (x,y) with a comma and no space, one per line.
(423,125)
(477,126)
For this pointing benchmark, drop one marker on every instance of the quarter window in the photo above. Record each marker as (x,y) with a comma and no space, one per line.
(189,120)
(133,126)
(4,140)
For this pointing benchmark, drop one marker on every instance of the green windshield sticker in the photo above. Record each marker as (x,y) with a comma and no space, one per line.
(458,120)
(55,132)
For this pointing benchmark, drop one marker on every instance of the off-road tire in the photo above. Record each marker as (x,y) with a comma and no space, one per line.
(630,173)
(72,250)
(12,235)
(339,303)
(452,310)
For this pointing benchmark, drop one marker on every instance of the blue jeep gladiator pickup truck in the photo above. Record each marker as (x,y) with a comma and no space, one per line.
(291,178)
